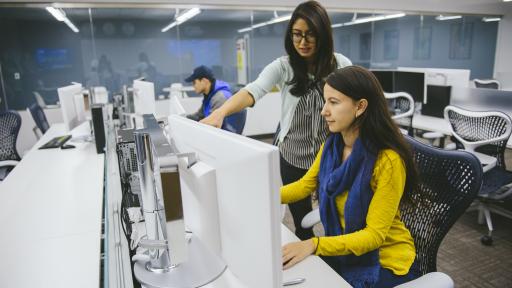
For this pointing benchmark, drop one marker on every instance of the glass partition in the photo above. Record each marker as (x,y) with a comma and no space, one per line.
(113,46)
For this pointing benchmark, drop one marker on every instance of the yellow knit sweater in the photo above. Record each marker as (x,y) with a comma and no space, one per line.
(384,229)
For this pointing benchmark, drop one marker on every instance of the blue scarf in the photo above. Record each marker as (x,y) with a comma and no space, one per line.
(334,178)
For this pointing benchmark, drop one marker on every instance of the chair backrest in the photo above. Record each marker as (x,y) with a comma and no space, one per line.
(235,122)
(486,132)
(448,182)
(401,107)
(39,99)
(400,104)
(489,84)
(39,117)
(10,124)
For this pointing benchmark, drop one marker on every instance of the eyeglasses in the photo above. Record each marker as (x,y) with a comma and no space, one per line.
(298,36)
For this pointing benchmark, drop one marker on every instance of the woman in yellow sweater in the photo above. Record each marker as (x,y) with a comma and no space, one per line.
(361,174)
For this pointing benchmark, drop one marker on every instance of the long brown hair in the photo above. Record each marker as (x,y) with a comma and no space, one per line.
(376,128)
(318,21)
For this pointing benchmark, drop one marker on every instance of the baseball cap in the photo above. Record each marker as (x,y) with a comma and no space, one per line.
(200,72)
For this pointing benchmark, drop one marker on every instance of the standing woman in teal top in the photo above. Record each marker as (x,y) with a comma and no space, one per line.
(299,77)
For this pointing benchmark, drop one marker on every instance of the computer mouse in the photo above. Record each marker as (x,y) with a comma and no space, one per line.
(67,146)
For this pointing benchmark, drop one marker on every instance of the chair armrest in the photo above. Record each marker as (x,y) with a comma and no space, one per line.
(488,162)
(433,279)
(311,219)
(433,135)
(8,163)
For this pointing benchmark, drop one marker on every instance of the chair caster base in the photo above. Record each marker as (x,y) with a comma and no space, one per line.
(486,240)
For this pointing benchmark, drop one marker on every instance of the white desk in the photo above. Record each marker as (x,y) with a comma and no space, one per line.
(50,214)
(316,272)
(430,123)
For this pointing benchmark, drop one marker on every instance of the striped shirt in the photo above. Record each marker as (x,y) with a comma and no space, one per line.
(308,130)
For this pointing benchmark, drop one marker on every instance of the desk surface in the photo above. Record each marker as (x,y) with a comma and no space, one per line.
(316,272)
(50,216)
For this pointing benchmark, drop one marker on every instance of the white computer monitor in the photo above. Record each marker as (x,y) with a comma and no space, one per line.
(443,76)
(72,105)
(143,97)
(247,194)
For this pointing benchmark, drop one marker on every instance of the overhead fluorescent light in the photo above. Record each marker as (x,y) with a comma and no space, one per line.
(57,13)
(442,18)
(369,19)
(491,19)
(272,21)
(182,18)
(507,0)
(60,15)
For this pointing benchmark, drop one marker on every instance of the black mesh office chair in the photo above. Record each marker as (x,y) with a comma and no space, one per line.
(10,124)
(449,182)
(489,84)
(486,132)
(39,118)
(401,107)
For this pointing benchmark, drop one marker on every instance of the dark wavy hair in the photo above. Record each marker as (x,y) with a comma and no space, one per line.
(376,128)
(319,23)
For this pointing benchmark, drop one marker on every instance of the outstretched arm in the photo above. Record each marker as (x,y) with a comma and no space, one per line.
(235,103)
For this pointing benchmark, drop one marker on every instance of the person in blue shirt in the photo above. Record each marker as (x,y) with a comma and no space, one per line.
(215,93)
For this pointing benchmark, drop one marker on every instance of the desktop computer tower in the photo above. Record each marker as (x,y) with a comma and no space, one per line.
(98,125)
(128,168)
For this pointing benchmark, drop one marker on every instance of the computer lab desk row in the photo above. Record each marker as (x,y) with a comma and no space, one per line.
(51,215)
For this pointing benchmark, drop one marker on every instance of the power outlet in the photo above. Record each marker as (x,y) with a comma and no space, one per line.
(17,76)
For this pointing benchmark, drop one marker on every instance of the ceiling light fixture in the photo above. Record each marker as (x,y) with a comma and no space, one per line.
(180,19)
(60,15)
(442,18)
(272,21)
(491,19)
(355,21)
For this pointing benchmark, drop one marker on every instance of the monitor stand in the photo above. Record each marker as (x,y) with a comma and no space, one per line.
(201,268)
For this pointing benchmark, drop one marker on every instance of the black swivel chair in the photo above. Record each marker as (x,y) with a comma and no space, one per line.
(10,124)
(39,118)
(449,182)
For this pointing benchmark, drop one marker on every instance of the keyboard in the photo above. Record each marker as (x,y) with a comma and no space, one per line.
(56,142)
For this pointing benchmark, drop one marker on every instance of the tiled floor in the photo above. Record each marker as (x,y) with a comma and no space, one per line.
(463,257)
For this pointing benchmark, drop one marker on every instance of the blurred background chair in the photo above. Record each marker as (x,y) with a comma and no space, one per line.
(489,84)
(10,124)
(401,107)
(235,122)
(486,134)
(39,99)
(449,182)
(39,118)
